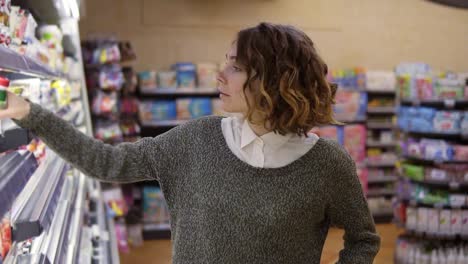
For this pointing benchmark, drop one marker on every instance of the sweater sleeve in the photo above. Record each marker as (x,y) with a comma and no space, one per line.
(126,162)
(348,209)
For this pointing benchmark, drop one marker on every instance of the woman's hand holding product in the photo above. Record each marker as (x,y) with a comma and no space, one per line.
(16,107)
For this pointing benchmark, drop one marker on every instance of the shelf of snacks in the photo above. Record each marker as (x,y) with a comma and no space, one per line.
(432,202)
(380,125)
(412,249)
(381,110)
(382,179)
(380,192)
(380,144)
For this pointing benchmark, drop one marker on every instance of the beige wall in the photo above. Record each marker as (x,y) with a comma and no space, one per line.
(377,34)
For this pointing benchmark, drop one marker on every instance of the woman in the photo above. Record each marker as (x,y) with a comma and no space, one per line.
(255,189)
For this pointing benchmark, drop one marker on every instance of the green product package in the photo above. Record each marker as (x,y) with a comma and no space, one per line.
(414,172)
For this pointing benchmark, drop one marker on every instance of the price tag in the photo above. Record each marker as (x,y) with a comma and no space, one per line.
(449,103)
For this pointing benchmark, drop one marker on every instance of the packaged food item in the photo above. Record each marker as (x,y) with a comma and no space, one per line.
(4,83)
(380,80)
(433,220)
(350,105)
(154,206)
(424,87)
(111,78)
(190,108)
(105,103)
(414,172)
(423,217)
(147,81)
(206,73)
(355,141)
(186,75)
(411,218)
(444,224)
(167,79)
(461,153)
(456,222)
(447,121)
(158,110)
(464,223)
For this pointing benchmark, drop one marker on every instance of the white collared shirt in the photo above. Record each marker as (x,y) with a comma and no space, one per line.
(268,151)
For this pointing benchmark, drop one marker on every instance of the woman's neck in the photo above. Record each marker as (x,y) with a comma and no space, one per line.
(259,130)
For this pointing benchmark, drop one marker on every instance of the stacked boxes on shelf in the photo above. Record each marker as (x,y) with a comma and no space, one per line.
(431,203)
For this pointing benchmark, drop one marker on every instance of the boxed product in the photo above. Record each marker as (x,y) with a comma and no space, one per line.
(111,78)
(350,105)
(167,79)
(449,89)
(380,80)
(154,206)
(186,74)
(355,141)
(207,73)
(190,108)
(414,172)
(461,153)
(159,110)
(147,81)
(447,121)
(424,87)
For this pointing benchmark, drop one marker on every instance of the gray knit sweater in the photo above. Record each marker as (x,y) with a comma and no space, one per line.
(222,209)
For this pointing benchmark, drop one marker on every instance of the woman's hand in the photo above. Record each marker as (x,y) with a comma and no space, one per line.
(17,107)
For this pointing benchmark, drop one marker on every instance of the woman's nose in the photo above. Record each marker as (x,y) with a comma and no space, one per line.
(220,77)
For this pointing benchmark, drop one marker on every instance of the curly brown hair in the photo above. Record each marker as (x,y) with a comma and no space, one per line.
(286,79)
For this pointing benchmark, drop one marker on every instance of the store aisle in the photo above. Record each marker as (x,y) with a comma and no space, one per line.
(159,251)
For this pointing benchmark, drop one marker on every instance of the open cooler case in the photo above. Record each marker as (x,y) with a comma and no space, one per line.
(50,212)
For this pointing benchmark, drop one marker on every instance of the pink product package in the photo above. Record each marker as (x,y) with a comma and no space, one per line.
(355,141)
(461,153)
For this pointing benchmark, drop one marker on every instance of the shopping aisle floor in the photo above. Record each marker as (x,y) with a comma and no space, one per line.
(159,251)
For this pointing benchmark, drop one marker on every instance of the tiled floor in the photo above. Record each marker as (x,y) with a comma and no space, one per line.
(159,251)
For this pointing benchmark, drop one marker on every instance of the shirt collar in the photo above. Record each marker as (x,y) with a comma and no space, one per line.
(271,139)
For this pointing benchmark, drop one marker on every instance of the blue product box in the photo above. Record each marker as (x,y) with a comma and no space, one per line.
(163,110)
(186,74)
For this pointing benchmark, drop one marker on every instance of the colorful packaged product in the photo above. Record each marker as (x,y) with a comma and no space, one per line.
(147,81)
(186,75)
(447,122)
(190,108)
(380,80)
(154,206)
(167,79)
(207,73)
(157,110)
(350,105)
(355,141)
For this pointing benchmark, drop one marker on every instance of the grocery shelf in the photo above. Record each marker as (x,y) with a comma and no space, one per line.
(415,203)
(382,92)
(77,219)
(15,171)
(380,193)
(156,231)
(380,164)
(181,91)
(382,179)
(377,125)
(15,63)
(432,236)
(433,161)
(163,123)
(452,185)
(14,138)
(36,208)
(381,110)
(438,135)
(380,144)
(383,216)
(437,103)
